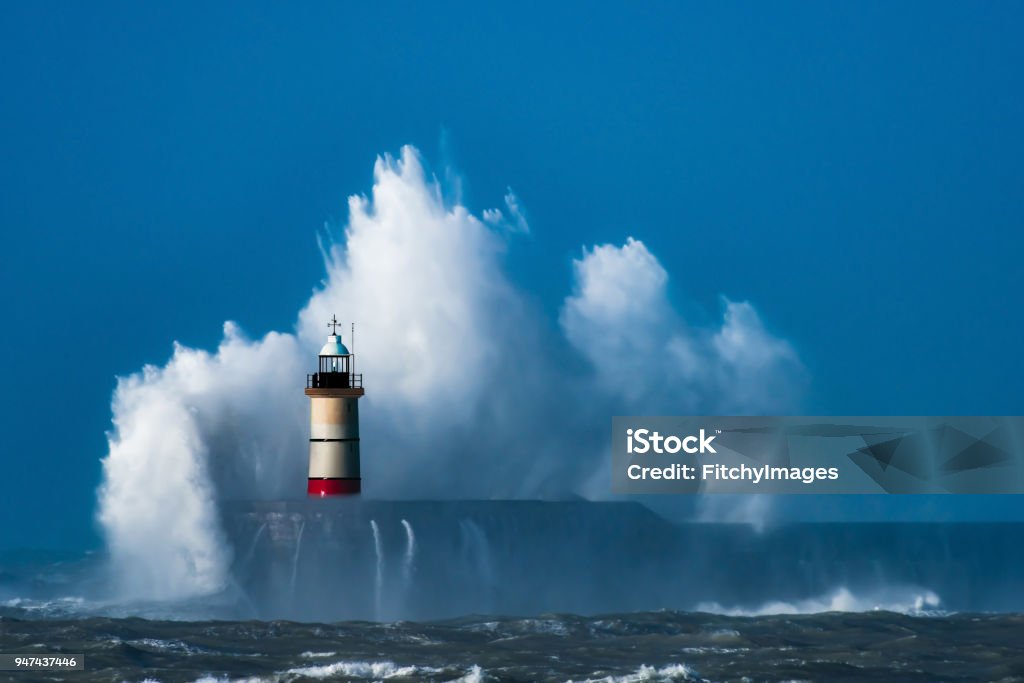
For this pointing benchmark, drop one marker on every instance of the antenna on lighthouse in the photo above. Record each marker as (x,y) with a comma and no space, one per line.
(352,341)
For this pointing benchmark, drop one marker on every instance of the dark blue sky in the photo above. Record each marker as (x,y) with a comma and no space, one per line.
(854,169)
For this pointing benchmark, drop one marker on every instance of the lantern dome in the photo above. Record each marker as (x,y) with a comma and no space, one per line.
(334,347)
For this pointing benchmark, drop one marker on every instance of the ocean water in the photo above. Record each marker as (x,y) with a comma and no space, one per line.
(532,591)
(642,646)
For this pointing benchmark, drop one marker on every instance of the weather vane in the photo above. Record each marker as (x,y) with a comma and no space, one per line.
(334,324)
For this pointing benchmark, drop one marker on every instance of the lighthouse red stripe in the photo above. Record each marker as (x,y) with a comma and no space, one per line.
(333,487)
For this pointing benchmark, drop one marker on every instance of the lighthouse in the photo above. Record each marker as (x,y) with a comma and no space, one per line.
(334,392)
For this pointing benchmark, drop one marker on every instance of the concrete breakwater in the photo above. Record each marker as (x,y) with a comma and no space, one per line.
(388,560)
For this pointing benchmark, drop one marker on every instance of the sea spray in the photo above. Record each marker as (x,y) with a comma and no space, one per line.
(230,424)
(477,559)
(378,583)
(164,540)
(247,558)
(410,554)
(295,560)
(203,427)
(902,599)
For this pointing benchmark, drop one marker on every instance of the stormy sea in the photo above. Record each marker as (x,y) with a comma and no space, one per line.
(639,646)
(538,591)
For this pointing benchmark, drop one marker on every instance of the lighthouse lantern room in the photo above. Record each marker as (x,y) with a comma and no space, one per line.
(334,392)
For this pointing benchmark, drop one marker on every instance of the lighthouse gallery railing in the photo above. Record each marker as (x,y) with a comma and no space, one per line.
(334,380)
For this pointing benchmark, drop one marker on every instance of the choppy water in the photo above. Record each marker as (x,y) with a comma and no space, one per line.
(643,646)
(813,602)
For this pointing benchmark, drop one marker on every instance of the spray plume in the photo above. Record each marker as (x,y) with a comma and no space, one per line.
(449,411)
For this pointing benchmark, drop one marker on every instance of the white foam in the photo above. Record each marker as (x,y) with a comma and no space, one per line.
(474,675)
(69,603)
(665,674)
(544,626)
(484,626)
(168,646)
(914,601)
(372,670)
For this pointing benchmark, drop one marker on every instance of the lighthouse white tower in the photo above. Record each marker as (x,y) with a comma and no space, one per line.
(334,393)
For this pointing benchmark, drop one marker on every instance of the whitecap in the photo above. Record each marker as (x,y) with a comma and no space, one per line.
(168,646)
(474,675)
(912,601)
(666,674)
(375,670)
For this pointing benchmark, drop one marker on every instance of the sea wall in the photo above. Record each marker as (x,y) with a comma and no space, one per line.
(386,560)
